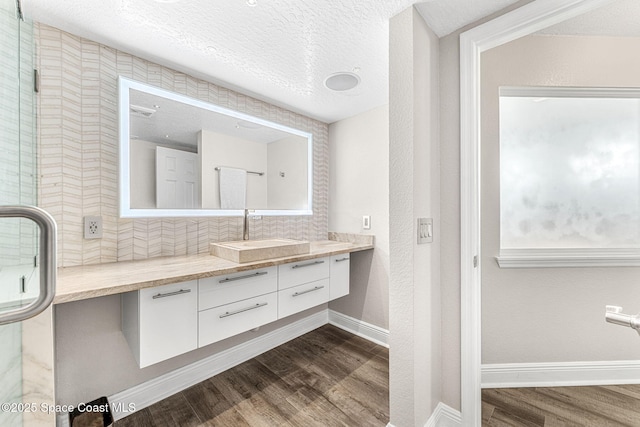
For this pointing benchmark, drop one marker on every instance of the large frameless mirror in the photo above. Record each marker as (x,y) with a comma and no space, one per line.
(181,156)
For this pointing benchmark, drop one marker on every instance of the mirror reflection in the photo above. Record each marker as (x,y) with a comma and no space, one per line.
(184,157)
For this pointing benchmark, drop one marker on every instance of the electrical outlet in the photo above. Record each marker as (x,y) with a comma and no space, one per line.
(92,227)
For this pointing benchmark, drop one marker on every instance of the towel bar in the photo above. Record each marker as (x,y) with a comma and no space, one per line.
(255,173)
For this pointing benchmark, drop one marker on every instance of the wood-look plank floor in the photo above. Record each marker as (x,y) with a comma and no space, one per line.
(596,406)
(327,377)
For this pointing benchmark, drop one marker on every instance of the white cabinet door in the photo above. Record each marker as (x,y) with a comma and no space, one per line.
(161,322)
(302,297)
(339,282)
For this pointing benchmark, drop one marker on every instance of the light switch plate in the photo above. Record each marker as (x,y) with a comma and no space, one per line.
(366,222)
(425,230)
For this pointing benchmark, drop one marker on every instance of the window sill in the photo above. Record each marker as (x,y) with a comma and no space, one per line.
(549,258)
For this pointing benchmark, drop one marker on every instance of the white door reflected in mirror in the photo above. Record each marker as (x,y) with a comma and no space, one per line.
(177,179)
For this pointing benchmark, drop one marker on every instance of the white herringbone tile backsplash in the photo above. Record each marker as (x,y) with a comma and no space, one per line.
(78,156)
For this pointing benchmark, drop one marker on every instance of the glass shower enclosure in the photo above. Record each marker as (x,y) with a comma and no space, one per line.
(26,365)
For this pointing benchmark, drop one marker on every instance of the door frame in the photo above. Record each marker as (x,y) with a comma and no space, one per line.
(523,21)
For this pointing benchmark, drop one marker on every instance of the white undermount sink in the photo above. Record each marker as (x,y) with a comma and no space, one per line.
(242,251)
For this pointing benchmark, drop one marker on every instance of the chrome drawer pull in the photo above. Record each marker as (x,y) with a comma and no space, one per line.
(317,288)
(343,259)
(246,276)
(307,264)
(170,294)
(242,310)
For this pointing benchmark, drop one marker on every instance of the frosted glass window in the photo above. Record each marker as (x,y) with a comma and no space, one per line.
(569,169)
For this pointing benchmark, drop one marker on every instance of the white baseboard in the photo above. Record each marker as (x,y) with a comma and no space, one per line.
(362,329)
(560,374)
(444,416)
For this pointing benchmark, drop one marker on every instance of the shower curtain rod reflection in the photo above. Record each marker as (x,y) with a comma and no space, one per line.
(255,173)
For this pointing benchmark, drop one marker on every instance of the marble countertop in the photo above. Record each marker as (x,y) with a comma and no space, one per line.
(90,281)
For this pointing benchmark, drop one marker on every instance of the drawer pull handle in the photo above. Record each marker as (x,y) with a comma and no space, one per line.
(242,310)
(246,276)
(317,288)
(307,264)
(343,259)
(170,294)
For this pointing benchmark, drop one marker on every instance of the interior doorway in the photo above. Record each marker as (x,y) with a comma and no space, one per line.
(521,22)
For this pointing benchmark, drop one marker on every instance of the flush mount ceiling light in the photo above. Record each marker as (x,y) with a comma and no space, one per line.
(342,81)
(141,111)
(252,3)
(167,1)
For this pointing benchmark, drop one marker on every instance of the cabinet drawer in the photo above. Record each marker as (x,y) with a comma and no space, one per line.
(297,273)
(221,290)
(168,321)
(222,322)
(339,280)
(302,297)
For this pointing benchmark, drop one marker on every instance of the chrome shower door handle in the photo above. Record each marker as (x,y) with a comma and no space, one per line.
(47,261)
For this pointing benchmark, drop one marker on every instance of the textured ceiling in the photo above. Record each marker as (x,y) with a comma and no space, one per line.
(446,16)
(279,51)
(620,18)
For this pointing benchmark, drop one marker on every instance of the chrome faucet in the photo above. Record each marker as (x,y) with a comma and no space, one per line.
(245,225)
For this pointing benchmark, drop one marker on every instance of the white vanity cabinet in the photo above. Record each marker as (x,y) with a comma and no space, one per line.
(161,322)
(339,276)
(235,303)
(166,321)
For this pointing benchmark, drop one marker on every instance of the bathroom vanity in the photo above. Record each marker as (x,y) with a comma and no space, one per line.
(174,305)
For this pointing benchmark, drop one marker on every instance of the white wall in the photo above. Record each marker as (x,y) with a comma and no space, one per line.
(223,150)
(288,155)
(550,314)
(143,174)
(414,185)
(359,185)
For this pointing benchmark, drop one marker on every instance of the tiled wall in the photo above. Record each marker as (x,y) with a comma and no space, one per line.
(78,147)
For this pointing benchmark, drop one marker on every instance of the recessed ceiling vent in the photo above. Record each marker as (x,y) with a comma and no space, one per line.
(141,111)
(341,82)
